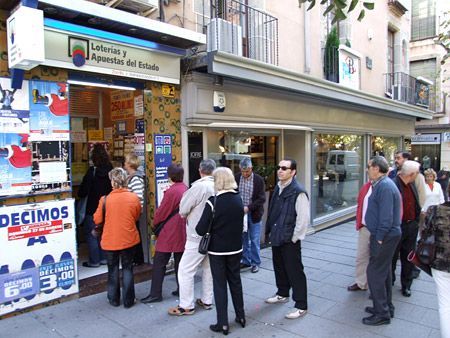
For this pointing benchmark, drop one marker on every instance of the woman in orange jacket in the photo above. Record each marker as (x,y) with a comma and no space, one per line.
(122,210)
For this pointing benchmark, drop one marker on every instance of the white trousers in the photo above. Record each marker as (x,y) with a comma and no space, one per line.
(362,258)
(442,280)
(189,264)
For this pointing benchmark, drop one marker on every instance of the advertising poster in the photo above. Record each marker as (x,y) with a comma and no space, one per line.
(14,108)
(139,147)
(38,260)
(15,164)
(162,159)
(51,167)
(49,111)
(122,105)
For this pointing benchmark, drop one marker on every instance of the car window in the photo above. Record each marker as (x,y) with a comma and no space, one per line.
(340,159)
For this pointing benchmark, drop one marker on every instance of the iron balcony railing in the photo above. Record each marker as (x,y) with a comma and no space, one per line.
(239,29)
(406,88)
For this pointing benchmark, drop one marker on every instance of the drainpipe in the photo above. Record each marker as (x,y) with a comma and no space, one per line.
(307,40)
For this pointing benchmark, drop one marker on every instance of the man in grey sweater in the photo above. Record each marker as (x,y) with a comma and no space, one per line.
(191,207)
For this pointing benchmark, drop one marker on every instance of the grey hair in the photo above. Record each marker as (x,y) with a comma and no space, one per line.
(381,163)
(207,166)
(118,177)
(410,167)
(224,179)
(246,163)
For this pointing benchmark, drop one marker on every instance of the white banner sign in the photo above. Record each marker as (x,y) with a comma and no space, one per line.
(426,139)
(38,260)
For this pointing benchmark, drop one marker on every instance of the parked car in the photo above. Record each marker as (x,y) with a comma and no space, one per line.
(343,165)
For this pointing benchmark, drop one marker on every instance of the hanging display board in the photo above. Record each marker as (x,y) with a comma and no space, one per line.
(38,254)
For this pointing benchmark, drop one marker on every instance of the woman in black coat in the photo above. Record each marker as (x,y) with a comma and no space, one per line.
(225,249)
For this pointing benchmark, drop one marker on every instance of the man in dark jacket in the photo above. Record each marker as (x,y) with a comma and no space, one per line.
(252,189)
(286,225)
(381,215)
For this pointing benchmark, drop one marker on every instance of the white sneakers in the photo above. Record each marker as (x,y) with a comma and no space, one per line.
(294,314)
(277,299)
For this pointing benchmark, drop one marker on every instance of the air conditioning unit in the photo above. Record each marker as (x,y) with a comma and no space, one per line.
(224,36)
(262,49)
(400,93)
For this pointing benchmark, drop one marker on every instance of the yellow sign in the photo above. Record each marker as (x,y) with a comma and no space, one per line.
(168,90)
(95,135)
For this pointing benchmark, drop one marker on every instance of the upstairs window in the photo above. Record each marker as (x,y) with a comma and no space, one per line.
(423,19)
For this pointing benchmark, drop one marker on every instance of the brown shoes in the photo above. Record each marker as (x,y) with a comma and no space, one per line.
(355,287)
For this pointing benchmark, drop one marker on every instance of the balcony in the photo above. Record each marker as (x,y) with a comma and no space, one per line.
(405,88)
(242,30)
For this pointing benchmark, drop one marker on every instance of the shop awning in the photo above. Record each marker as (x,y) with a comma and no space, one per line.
(310,87)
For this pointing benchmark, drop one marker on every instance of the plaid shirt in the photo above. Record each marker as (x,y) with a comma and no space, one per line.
(246,189)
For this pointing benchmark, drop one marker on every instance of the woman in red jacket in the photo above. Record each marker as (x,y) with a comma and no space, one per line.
(122,210)
(172,237)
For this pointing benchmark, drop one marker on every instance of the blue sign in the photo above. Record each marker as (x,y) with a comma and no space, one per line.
(57,275)
(162,159)
(18,285)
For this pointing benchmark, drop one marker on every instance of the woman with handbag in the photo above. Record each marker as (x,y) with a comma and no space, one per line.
(171,233)
(95,184)
(119,236)
(222,218)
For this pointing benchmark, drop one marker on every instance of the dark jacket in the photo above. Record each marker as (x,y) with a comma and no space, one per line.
(282,214)
(95,184)
(227,225)
(442,237)
(399,184)
(383,214)
(256,207)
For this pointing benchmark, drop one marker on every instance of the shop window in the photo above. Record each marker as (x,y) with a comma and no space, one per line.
(386,146)
(338,172)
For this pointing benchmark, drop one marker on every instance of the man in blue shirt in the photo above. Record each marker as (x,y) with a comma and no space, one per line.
(382,215)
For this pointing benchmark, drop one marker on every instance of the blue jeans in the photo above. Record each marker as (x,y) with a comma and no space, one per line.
(113,257)
(96,254)
(250,244)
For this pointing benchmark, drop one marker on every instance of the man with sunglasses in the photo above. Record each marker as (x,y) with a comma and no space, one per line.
(286,226)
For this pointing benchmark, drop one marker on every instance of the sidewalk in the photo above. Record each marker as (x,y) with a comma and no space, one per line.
(328,257)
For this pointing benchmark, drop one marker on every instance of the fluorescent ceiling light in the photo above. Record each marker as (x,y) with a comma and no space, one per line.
(257,125)
(96,84)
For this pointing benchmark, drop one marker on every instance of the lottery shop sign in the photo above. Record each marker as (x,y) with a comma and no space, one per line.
(38,260)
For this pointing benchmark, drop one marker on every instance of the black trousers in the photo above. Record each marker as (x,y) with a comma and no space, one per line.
(407,243)
(288,267)
(226,269)
(159,270)
(138,251)
(113,258)
(379,274)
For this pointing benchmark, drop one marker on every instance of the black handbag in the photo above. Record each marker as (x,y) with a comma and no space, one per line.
(158,227)
(203,247)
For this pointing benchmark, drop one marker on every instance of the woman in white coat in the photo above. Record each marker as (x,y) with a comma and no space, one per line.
(433,190)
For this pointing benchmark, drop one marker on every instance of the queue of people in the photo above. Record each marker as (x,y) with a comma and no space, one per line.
(390,208)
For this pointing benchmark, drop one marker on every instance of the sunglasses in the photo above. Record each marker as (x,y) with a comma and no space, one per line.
(284,168)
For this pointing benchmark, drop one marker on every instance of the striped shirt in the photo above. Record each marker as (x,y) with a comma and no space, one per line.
(136,185)
(246,189)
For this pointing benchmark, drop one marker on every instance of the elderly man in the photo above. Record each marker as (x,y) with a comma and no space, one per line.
(381,215)
(191,207)
(252,189)
(410,222)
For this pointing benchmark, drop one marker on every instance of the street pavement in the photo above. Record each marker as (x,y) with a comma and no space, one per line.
(328,257)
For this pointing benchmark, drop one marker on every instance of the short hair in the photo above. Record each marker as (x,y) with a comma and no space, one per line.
(380,162)
(405,154)
(99,155)
(410,167)
(246,163)
(175,172)
(224,179)
(207,166)
(293,164)
(430,171)
(118,177)
(133,161)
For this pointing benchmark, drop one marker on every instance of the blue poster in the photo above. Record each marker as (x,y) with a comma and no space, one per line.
(19,285)
(49,111)
(162,159)
(57,275)
(15,164)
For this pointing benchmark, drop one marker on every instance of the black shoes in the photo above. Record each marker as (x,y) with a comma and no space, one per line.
(354,287)
(245,266)
(114,303)
(218,328)
(175,293)
(151,299)
(255,269)
(406,292)
(371,310)
(240,321)
(374,320)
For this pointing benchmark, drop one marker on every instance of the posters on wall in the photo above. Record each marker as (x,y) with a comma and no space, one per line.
(14,108)
(122,105)
(162,159)
(38,260)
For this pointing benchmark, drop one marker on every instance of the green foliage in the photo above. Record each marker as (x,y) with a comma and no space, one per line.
(331,57)
(341,8)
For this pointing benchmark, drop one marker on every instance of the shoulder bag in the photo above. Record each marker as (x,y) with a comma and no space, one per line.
(98,229)
(158,227)
(203,247)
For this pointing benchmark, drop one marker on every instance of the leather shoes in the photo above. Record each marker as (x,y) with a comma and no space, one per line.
(218,328)
(255,269)
(406,292)
(175,293)
(374,320)
(244,266)
(240,321)
(151,299)
(371,310)
(354,287)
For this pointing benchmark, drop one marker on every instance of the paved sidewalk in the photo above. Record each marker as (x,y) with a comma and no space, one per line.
(328,257)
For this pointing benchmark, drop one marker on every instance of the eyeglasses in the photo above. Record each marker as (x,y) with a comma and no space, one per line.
(284,168)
